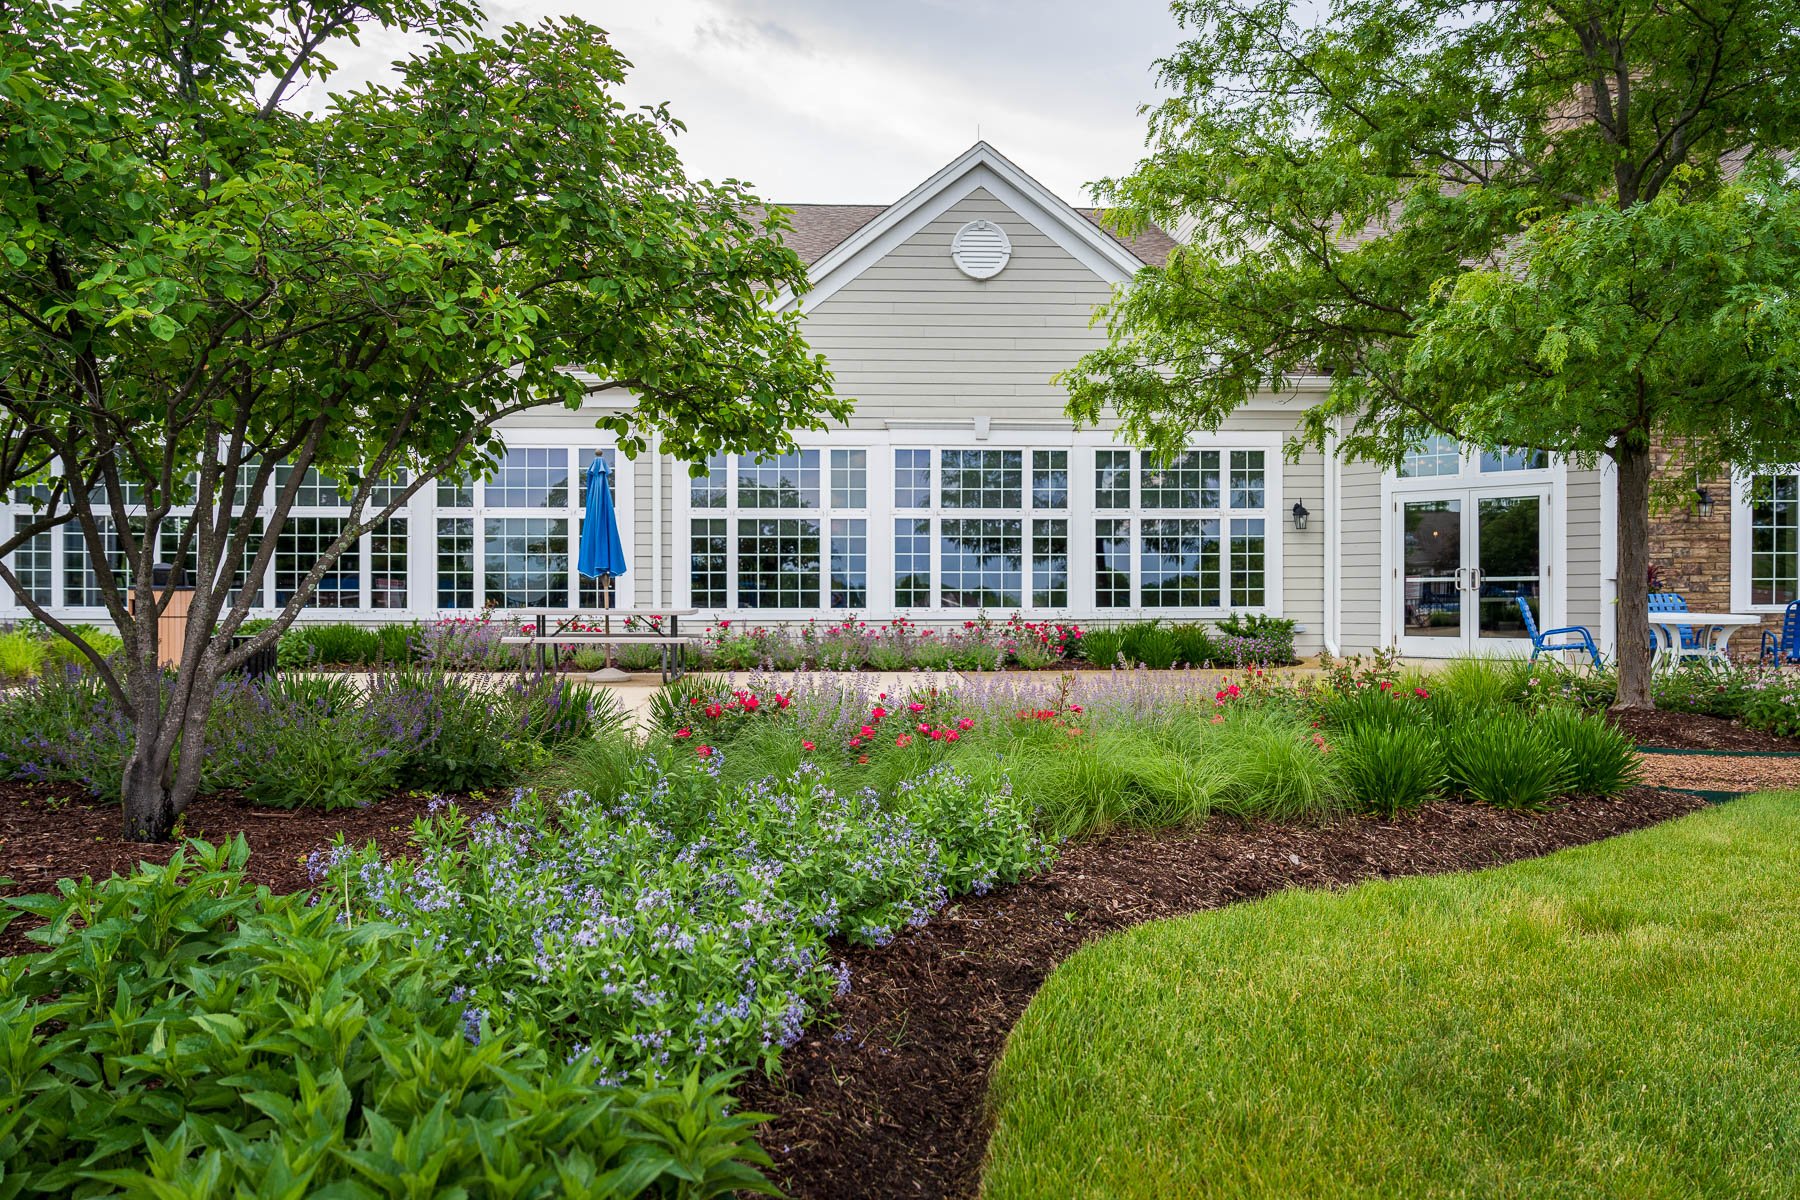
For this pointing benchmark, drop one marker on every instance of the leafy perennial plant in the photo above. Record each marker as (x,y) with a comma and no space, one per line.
(682,923)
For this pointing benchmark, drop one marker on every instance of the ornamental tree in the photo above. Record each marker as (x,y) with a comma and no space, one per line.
(1472,220)
(201,286)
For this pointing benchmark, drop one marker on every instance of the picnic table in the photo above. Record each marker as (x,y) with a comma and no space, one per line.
(1712,631)
(672,643)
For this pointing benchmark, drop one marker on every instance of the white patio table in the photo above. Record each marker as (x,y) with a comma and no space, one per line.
(1711,633)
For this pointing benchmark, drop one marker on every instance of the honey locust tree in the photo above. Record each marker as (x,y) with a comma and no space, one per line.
(1472,218)
(205,293)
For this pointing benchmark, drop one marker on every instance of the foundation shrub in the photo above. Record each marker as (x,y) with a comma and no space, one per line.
(183,1033)
(1505,758)
(1599,759)
(1195,646)
(1102,647)
(1255,638)
(1389,769)
(1151,644)
(335,644)
(21,656)
(1773,704)
(1698,687)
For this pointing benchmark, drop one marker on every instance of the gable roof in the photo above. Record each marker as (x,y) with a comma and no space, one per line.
(848,238)
(818,229)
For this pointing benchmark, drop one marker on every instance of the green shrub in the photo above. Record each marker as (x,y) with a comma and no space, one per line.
(1389,769)
(59,650)
(1194,645)
(310,742)
(1472,684)
(1601,761)
(1773,704)
(1503,758)
(1102,647)
(186,1034)
(1383,705)
(395,644)
(21,656)
(1246,638)
(1697,686)
(336,644)
(1151,644)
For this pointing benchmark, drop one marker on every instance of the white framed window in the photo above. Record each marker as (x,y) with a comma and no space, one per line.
(787,532)
(1187,534)
(1765,539)
(1438,458)
(981,527)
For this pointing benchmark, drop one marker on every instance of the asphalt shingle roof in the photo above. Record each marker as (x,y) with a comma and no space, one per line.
(818,229)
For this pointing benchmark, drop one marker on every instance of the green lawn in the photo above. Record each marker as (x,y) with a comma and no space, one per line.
(1621,1019)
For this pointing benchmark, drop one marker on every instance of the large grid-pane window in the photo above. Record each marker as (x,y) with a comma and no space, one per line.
(850,563)
(784,481)
(1049,479)
(849,479)
(1775,539)
(1196,537)
(456,562)
(530,477)
(1112,563)
(1050,563)
(34,565)
(709,550)
(81,583)
(912,562)
(387,564)
(912,479)
(983,479)
(525,562)
(778,562)
(299,545)
(980,563)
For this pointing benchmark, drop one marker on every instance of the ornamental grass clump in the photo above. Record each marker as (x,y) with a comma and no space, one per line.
(1599,759)
(682,921)
(185,1034)
(1390,769)
(1506,759)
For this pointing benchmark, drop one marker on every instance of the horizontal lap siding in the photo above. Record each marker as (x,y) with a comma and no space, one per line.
(913,338)
(1585,569)
(1359,559)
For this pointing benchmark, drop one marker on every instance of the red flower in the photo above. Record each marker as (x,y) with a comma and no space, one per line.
(1421,693)
(1387,685)
(861,759)
(781,701)
(924,727)
(855,742)
(1074,708)
(714,711)
(867,731)
(808,746)
(704,751)
(878,712)
(950,735)
(966,723)
(751,703)
(915,706)
(904,739)
(684,732)
(693,700)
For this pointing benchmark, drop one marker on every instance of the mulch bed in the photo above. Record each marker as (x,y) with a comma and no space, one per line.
(1691,731)
(51,831)
(886,1098)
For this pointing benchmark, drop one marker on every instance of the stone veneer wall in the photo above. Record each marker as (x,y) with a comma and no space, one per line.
(1693,553)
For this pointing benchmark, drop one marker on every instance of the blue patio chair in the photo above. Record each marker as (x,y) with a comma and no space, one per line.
(1578,635)
(1786,648)
(1673,602)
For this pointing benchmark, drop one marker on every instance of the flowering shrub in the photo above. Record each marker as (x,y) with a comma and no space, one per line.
(896,645)
(685,922)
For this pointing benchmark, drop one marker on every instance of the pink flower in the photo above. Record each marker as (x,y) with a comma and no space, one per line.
(1421,693)
(904,739)
(915,706)
(808,746)
(950,735)
(924,727)
(752,703)
(704,751)
(966,723)
(867,731)
(855,742)
(684,732)
(1074,708)
(878,712)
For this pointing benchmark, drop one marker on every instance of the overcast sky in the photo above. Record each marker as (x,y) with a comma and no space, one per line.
(856,101)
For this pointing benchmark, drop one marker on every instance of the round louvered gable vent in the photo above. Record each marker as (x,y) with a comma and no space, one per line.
(980,249)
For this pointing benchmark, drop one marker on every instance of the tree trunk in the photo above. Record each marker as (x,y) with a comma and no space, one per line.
(159,784)
(1632,633)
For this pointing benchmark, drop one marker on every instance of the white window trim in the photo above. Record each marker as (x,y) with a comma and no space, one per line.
(881,512)
(421,514)
(1740,537)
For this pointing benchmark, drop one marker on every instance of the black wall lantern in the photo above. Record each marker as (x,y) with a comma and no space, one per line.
(1300,515)
(1703,502)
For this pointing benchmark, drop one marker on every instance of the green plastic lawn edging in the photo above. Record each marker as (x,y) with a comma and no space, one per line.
(1721,753)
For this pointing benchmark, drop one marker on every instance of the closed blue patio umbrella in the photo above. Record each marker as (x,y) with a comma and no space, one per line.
(602,554)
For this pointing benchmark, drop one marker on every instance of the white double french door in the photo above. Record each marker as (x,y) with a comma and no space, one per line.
(1465,557)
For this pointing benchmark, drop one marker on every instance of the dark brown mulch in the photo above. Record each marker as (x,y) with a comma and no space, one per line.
(1692,731)
(50,832)
(886,1099)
